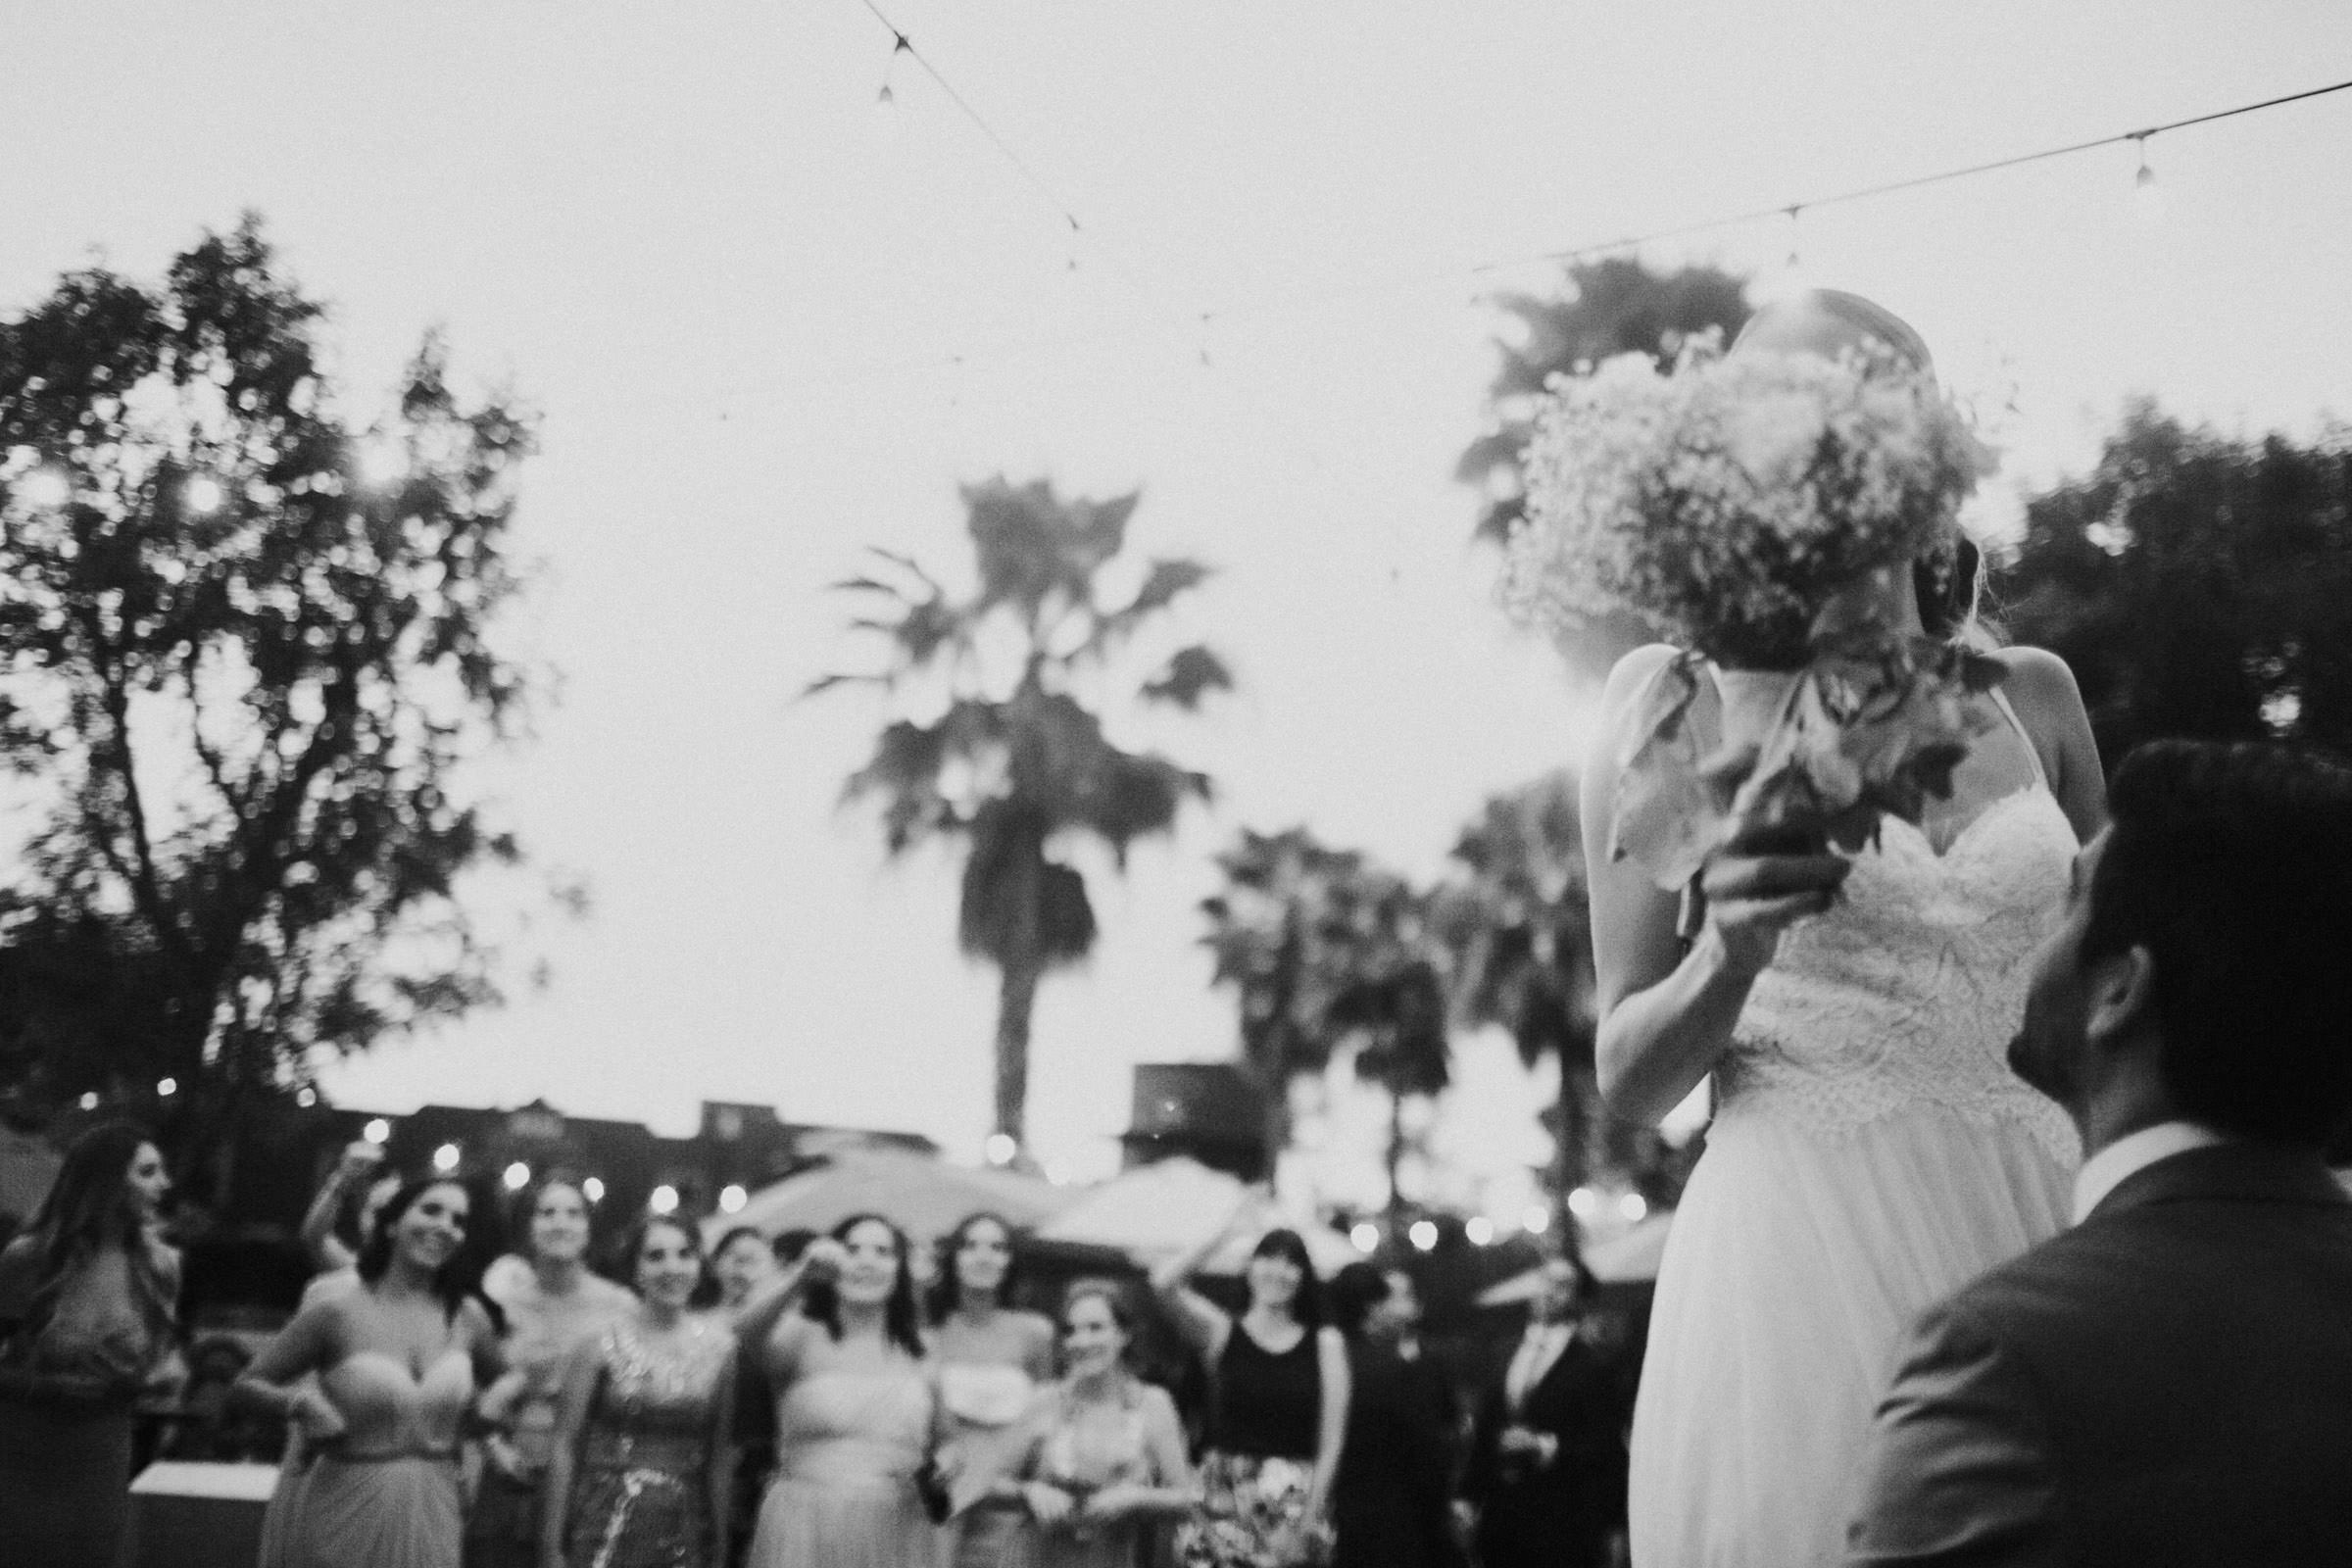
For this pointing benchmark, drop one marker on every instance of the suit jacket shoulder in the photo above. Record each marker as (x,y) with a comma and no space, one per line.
(2173,1376)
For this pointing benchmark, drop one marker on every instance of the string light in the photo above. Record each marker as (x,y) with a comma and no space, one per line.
(665,1200)
(1365,1235)
(999,1149)
(1575,253)
(886,100)
(732,1197)
(593,1188)
(1423,1234)
(445,1158)
(2147,197)
(378,1131)
(165,1088)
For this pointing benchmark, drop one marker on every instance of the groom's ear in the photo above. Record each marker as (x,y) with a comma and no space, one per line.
(2121,999)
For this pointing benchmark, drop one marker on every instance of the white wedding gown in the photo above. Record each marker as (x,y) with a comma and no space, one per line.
(1871,1152)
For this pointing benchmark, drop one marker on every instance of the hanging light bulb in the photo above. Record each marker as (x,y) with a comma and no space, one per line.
(2147,197)
(1789,278)
(887,100)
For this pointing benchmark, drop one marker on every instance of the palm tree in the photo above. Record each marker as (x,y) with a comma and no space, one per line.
(1017,767)
(1523,949)
(1325,949)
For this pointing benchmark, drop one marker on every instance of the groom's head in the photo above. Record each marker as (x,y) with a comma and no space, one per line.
(2204,968)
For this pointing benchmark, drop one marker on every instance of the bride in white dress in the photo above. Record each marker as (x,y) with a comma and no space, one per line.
(1870,1151)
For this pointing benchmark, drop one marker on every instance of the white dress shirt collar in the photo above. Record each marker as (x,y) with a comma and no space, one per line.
(2132,1154)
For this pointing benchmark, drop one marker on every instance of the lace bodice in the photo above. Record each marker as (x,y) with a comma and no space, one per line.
(1907,992)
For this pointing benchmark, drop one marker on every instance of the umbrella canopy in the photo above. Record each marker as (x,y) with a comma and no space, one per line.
(925,1195)
(1627,1259)
(1157,1211)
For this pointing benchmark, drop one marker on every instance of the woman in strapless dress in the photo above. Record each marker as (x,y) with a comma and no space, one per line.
(1870,1151)
(857,1410)
(990,1357)
(397,1361)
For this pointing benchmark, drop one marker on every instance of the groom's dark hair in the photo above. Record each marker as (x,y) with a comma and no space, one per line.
(2232,865)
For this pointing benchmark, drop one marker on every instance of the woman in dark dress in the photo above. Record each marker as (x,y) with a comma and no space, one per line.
(86,1301)
(1391,1507)
(1278,1409)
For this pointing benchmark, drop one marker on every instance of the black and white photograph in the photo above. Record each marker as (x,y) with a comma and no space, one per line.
(885,784)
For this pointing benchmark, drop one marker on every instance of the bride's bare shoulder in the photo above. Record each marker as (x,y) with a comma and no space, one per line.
(2041,690)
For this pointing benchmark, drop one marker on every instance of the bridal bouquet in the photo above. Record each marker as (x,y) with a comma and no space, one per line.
(1750,508)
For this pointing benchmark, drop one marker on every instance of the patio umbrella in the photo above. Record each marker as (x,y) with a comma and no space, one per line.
(925,1195)
(1157,1211)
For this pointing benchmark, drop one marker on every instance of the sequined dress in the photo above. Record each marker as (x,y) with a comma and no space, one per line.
(1871,1152)
(641,1491)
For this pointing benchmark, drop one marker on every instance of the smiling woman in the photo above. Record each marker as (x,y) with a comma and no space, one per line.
(397,1362)
(640,1467)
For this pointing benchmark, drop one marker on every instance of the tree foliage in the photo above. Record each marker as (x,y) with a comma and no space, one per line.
(1325,951)
(246,647)
(1518,925)
(2197,585)
(1017,767)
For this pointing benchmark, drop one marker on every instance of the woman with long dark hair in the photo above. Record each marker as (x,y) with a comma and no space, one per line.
(1277,1407)
(554,1303)
(857,1410)
(87,1317)
(642,1466)
(294,1463)
(397,1362)
(1391,1502)
(1100,1461)
(991,1358)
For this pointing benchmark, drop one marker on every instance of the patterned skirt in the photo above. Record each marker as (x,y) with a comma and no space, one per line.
(1250,1505)
(636,1506)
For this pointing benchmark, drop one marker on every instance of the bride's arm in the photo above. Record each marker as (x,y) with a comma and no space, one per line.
(1667,1012)
(2050,705)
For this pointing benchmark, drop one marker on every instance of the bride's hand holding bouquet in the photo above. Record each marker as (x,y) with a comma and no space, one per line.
(1766,512)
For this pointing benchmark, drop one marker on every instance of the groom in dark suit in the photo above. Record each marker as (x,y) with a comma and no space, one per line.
(2171,1381)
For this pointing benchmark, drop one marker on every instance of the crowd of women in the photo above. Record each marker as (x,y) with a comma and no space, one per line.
(449,1404)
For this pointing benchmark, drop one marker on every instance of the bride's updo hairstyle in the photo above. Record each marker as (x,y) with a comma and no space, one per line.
(1828,321)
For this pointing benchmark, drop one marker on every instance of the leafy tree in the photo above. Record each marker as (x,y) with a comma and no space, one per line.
(1519,930)
(1327,949)
(1017,767)
(246,647)
(2197,585)
(1608,307)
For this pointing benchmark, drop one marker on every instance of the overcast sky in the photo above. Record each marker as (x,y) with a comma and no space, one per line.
(734,289)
